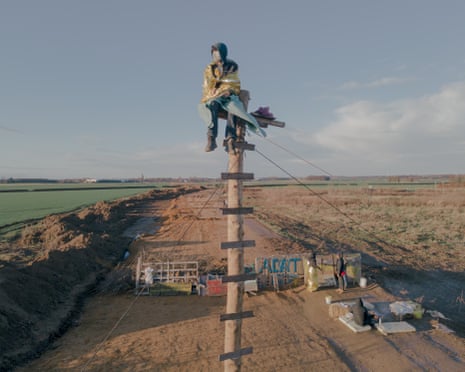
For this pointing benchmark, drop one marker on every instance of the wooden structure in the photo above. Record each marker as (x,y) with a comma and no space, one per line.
(236,243)
(167,278)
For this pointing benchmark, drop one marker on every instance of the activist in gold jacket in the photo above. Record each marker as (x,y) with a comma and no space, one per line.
(221,88)
(221,76)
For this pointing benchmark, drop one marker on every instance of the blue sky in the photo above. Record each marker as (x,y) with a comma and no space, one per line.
(109,88)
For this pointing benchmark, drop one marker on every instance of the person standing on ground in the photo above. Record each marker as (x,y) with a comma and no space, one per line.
(341,272)
(221,88)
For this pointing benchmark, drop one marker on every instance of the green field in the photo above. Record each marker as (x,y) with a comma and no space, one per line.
(20,203)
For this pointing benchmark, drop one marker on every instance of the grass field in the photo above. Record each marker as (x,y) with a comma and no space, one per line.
(20,203)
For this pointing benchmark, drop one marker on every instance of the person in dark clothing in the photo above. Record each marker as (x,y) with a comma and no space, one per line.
(341,272)
(221,89)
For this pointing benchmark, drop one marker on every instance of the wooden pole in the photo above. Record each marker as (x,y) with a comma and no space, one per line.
(235,244)
(234,300)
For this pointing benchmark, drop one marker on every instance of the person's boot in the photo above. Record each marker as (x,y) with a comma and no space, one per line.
(211,145)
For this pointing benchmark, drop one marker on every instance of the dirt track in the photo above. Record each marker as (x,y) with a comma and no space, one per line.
(291,330)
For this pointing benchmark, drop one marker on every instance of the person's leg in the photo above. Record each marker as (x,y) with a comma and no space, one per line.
(230,129)
(340,281)
(235,107)
(209,113)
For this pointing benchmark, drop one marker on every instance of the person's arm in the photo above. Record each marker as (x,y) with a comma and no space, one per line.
(209,89)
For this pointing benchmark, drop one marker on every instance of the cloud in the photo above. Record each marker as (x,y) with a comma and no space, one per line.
(6,129)
(400,131)
(386,81)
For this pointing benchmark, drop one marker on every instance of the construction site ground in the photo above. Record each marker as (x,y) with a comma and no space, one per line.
(291,330)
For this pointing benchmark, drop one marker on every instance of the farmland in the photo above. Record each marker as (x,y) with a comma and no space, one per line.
(27,202)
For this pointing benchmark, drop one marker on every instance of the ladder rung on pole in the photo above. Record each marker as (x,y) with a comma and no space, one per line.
(238,244)
(236,316)
(236,354)
(240,210)
(238,278)
(237,176)
(244,146)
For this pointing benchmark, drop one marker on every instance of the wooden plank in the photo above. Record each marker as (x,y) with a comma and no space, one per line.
(236,316)
(274,277)
(265,122)
(236,354)
(238,244)
(240,210)
(244,146)
(238,278)
(387,328)
(237,176)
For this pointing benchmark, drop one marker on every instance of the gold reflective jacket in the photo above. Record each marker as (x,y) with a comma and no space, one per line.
(216,84)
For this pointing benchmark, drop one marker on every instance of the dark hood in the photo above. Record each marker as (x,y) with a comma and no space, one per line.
(223,49)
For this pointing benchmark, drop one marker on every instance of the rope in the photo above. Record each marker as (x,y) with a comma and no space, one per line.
(306,186)
(111,331)
(100,345)
(197,215)
(369,233)
(298,157)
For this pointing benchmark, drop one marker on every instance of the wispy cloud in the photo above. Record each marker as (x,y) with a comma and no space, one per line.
(6,129)
(382,82)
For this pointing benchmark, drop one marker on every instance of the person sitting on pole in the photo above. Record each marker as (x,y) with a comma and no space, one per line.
(221,88)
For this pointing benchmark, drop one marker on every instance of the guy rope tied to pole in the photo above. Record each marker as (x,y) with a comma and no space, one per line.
(223,98)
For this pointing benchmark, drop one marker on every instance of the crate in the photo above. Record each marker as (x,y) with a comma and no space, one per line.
(216,287)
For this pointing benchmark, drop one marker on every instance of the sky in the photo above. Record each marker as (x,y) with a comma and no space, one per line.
(110,88)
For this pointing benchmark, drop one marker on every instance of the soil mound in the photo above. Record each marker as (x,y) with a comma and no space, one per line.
(60,260)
